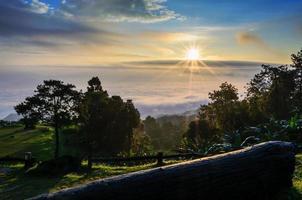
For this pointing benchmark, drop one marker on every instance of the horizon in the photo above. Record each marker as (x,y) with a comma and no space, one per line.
(158,101)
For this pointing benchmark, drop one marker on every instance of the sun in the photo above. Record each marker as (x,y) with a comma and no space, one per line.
(192,54)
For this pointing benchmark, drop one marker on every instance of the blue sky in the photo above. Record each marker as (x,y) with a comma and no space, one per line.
(248,30)
(53,3)
(50,37)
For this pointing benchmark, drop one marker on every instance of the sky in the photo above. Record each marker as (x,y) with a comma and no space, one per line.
(139,47)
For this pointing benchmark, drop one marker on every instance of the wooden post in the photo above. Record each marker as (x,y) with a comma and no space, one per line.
(28,160)
(160,161)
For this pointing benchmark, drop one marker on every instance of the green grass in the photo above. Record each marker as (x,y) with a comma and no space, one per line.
(18,185)
(16,141)
(297,180)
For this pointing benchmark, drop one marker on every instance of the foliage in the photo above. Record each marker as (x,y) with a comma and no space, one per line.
(200,135)
(7,124)
(225,113)
(272,91)
(72,142)
(29,109)
(141,143)
(270,111)
(165,132)
(107,122)
(272,130)
(54,103)
(297,94)
(225,108)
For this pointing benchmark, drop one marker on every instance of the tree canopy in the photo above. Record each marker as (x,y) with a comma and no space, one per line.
(107,122)
(54,103)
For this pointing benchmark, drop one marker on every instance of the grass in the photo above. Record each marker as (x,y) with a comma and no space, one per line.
(16,184)
(297,180)
(16,141)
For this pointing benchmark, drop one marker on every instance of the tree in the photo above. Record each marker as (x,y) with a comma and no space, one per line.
(297,97)
(93,116)
(123,117)
(165,132)
(29,109)
(200,135)
(54,103)
(279,99)
(225,107)
(141,143)
(153,129)
(131,121)
(271,92)
(107,122)
(224,114)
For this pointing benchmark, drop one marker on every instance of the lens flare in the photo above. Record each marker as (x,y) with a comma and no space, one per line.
(192,54)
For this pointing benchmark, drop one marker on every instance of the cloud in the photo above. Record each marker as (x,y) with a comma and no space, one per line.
(39,7)
(168,109)
(144,11)
(210,63)
(250,38)
(29,23)
(299,29)
(246,38)
(169,36)
(35,26)
(23,19)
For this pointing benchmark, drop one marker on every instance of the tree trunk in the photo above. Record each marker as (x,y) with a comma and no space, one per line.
(129,143)
(57,140)
(256,172)
(89,157)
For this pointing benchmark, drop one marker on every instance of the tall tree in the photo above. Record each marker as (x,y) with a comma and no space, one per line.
(141,144)
(297,65)
(60,103)
(223,105)
(131,121)
(93,116)
(123,118)
(279,98)
(271,91)
(54,103)
(107,122)
(153,129)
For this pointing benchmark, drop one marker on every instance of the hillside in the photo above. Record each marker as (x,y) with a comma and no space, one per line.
(16,141)
(15,184)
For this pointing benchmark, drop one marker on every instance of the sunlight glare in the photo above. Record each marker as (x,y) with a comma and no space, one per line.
(192,54)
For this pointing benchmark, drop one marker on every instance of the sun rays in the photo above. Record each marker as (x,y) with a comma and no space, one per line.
(193,54)
(191,67)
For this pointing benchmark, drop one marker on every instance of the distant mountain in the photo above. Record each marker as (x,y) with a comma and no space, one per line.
(13,117)
(190,113)
(177,119)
